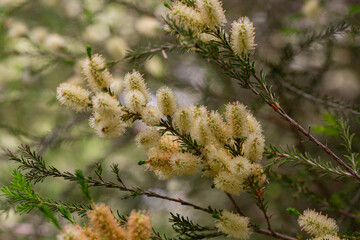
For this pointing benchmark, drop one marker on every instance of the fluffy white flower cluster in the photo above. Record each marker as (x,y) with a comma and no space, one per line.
(209,14)
(318,225)
(229,150)
(234,225)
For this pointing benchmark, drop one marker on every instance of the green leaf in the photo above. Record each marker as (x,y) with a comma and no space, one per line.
(293,211)
(83,185)
(331,126)
(354,9)
(167,5)
(65,214)
(88,51)
(49,215)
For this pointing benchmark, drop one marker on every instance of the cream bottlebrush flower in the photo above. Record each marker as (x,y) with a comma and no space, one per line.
(240,167)
(107,127)
(159,157)
(135,81)
(117,86)
(316,224)
(202,133)
(228,182)
(104,223)
(257,173)
(166,101)
(242,36)
(38,34)
(73,96)
(151,115)
(236,117)
(253,125)
(148,26)
(254,147)
(199,111)
(55,42)
(135,100)
(212,13)
(97,76)
(218,127)
(217,159)
(188,16)
(72,232)
(148,138)
(139,226)
(183,119)
(105,104)
(312,9)
(185,163)
(327,237)
(17,29)
(234,225)
(116,47)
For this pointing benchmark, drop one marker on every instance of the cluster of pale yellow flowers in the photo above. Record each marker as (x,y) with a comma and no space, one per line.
(233,225)
(209,14)
(318,225)
(103,225)
(213,134)
(37,35)
(212,137)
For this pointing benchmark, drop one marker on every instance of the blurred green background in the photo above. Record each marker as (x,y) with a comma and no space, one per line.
(42,42)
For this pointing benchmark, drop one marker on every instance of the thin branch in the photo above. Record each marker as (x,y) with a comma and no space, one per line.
(235,204)
(131,55)
(318,99)
(56,132)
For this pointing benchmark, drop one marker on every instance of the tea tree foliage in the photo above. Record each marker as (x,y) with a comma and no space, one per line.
(228,146)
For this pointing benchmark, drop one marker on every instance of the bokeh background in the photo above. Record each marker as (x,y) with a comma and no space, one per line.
(42,42)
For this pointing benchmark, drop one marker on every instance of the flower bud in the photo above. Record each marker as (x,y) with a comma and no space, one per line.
(73,96)
(71,232)
(199,111)
(183,119)
(217,158)
(254,147)
(135,100)
(253,125)
(166,100)
(240,167)
(317,224)
(202,133)
(97,76)
(228,182)
(212,12)
(55,42)
(234,225)
(236,117)
(148,138)
(17,29)
(151,115)
(135,81)
(104,222)
(185,163)
(105,104)
(218,127)
(107,127)
(139,226)
(117,86)
(188,16)
(242,36)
